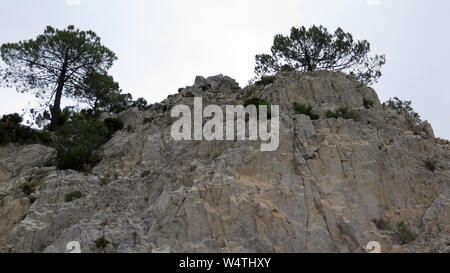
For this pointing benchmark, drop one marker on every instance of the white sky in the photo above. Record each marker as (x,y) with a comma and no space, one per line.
(162,45)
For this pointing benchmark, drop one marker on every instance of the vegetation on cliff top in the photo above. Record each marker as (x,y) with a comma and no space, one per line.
(64,63)
(316,49)
(74,64)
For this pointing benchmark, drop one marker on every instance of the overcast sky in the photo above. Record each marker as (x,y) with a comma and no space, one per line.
(162,45)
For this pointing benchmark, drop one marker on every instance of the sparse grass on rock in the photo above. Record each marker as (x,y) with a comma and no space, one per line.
(345,113)
(73,196)
(404,234)
(303,109)
(431,165)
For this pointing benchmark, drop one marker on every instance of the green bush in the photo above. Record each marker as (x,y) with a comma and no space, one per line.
(303,109)
(431,165)
(11,131)
(368,104)
(348,113)
(400,105)
(381,224)
(265,80)
(39,137)
(404,234)
(141,104)
(345,113)
(114,125)
(77,141)
(28,188)
(205,87)
(76,158)
(14,119)
(258,102)
(101,242)
(82,132)
(73,196)
(331,114)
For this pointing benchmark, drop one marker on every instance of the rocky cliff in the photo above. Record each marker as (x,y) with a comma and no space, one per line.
(333,185)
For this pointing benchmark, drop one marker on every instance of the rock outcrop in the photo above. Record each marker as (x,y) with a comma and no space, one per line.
(332,186)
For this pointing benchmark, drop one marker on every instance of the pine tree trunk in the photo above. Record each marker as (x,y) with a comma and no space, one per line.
(56,108)
(308,62)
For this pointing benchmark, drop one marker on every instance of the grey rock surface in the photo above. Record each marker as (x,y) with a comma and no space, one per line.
(326,189)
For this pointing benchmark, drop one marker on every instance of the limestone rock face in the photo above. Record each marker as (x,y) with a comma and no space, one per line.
(323,90)
(14,159)
(18,166)
(217,83)
(333,185)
